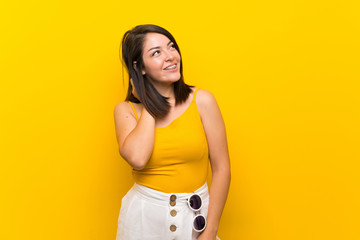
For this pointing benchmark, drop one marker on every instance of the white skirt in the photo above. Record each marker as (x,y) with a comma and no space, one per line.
(146,214)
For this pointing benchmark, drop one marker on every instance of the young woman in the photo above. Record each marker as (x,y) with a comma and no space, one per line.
(168,132)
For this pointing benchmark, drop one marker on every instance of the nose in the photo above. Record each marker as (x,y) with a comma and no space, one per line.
(169,56)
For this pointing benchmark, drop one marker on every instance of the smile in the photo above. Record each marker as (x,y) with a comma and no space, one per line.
(170,67)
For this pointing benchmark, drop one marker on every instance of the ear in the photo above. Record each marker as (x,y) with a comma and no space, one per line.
(134,66)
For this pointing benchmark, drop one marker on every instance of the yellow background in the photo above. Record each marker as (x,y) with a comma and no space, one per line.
(285,74)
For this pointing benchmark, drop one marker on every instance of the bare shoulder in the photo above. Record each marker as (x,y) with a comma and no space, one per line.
(205,100)
(123,110)
(121,107)
(211,117)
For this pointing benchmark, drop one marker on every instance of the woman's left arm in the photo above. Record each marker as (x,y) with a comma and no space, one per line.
(219,159)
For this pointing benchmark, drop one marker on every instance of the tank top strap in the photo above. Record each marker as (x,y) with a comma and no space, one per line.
(133,108)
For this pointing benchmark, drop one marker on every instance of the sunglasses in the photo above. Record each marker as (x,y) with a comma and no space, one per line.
(195,204)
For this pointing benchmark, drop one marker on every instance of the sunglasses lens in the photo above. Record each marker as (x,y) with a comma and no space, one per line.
(199,223)
(195,202)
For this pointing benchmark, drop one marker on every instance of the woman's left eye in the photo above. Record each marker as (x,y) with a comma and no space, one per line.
(172,46)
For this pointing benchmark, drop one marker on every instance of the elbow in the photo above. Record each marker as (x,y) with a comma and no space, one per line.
(228,172)
(229,176)
(224,171)
(136,161)
(137,164)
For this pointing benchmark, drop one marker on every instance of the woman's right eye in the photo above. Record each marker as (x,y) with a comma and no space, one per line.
(155,53)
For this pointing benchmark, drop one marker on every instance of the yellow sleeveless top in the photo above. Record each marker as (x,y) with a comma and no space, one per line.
(180,158)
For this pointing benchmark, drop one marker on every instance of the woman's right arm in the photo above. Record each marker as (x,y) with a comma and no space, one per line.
(135,139)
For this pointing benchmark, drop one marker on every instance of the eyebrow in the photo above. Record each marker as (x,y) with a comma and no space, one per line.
(159,47)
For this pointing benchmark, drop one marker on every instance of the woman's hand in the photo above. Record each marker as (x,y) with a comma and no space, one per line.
(207,235)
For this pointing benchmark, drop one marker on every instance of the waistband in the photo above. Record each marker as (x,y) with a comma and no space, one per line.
(181,198)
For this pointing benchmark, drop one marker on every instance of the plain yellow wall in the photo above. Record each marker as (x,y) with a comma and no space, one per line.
(285,74)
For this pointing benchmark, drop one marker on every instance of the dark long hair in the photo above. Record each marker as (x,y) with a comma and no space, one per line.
(132,50)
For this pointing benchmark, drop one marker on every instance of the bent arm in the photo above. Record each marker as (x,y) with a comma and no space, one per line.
(135,139)
(219,159)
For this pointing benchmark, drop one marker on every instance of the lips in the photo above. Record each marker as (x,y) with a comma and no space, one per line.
(171,67)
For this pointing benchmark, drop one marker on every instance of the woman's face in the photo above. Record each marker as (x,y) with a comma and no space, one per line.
(161,59)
